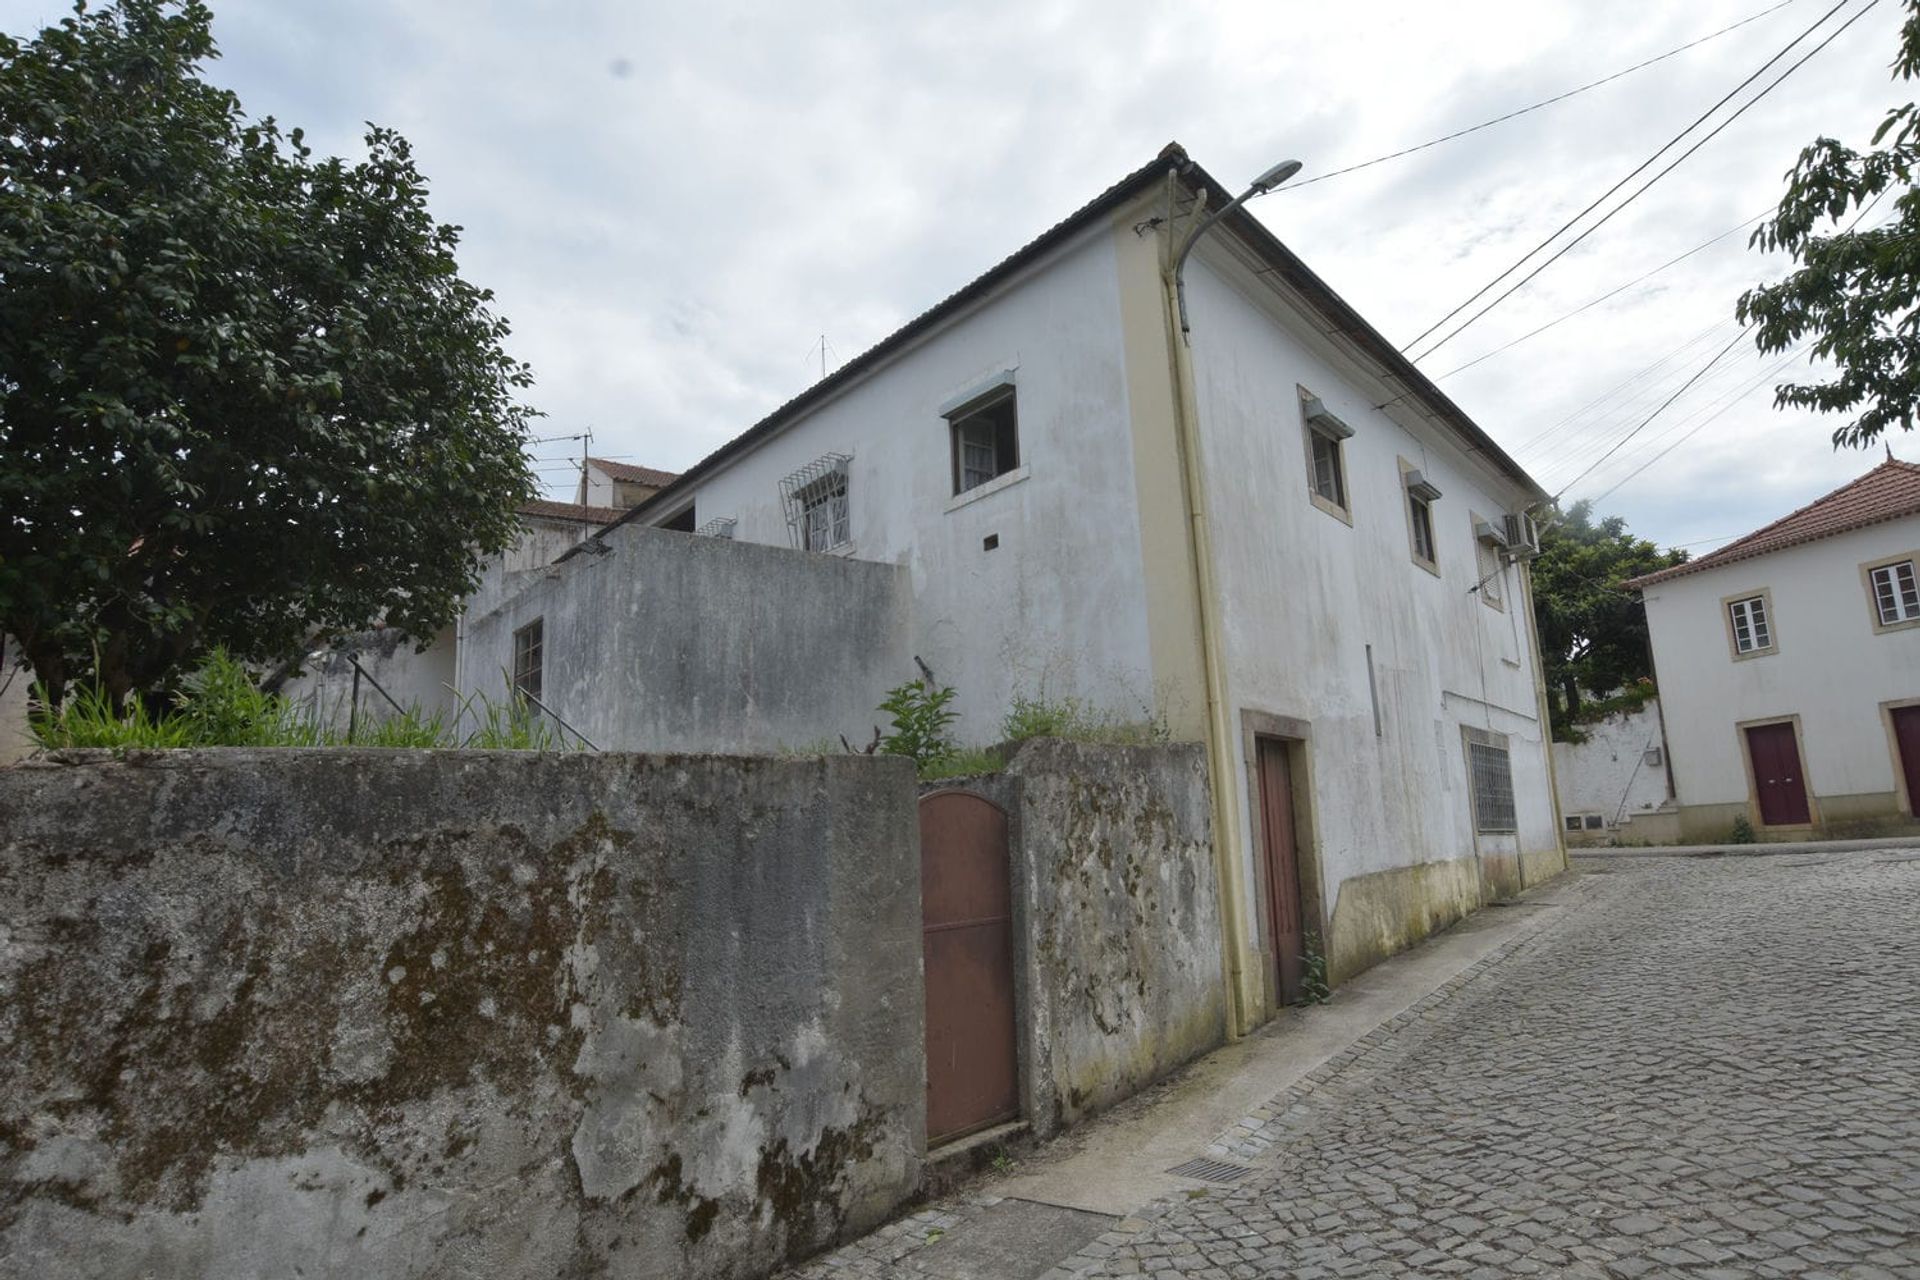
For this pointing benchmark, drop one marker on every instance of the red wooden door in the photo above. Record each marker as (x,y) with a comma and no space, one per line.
(1906,736)
(1284,916)
(966,898)
(1777,777)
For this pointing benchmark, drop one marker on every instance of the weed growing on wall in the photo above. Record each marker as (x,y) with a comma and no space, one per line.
(1313,986)
(922,715)
(219,705)
(1040,716)
(1742,832)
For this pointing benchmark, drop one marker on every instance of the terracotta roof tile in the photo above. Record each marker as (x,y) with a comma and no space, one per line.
(549,510)
(1888,492)
(639,475)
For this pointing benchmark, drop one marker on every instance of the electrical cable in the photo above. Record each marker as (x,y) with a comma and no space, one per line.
(1637,171)
(1603,297)
(1511,115)
(1718,357)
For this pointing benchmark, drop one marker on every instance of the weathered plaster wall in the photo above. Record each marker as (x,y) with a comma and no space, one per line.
(383,1014)
(1329,624)
(415,678)
(1057,602)
(1116,920)
(668,641)
(1608,774)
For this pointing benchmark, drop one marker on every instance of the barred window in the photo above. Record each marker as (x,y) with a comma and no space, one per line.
(815,497)
(1490,771)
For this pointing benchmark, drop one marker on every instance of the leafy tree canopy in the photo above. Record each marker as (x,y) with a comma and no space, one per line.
(245,395)
(1854,293)
(1593,634)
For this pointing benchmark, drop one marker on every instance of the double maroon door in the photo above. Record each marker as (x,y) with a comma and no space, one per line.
(1285,918)
(966,899)
(1906,736)
(1778,782)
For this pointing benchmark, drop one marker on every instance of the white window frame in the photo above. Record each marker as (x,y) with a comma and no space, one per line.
(818,503)
(976,444)
(1750,624)
(1893,591)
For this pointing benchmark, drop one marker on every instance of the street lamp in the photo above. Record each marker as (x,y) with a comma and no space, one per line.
(1261,185)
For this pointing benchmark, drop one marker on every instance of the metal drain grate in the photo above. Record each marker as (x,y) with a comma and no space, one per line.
(1211,1170)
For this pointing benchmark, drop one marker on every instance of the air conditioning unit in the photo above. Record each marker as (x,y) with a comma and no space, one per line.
(1492,534)
(1522,536)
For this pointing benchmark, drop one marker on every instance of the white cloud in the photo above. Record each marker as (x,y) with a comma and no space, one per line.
(673,202)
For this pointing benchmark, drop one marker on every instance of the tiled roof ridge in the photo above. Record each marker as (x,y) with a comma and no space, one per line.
(1758,542)
(552,510)
(633,471)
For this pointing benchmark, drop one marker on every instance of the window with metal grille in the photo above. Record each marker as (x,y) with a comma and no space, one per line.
(986,440)
(816,501)
(1896,593)
(1490,770)
(1751,629)
(528,645)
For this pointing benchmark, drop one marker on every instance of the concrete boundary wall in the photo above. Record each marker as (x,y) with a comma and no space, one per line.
(423,1013)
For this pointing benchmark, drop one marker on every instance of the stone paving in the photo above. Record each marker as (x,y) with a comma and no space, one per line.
(1704,1067)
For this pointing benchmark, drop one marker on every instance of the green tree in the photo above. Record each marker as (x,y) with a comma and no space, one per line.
(1854,290)
(1593,634)
(245,395)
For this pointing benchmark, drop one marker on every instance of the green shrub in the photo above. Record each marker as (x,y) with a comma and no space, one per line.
(1074,719)
(1742,832)
(86,719)
(921,714)
(963,762)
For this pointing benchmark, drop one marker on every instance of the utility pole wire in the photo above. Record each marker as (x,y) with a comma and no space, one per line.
(1560,97)
(1605,195)
(1614,292)
(1698,374)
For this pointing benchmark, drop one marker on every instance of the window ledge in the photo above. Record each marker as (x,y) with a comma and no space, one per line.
(1881,628)
(1750,654)
(1343,514)
(1428,565)
(1005,480)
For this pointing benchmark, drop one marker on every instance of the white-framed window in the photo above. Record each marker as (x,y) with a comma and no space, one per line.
(1490,774)
(1752,628)
(1896,593)
(529,645)
(1489,568)
(816,498)
(985,439)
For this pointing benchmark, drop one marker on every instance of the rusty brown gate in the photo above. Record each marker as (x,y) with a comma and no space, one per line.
(966,899)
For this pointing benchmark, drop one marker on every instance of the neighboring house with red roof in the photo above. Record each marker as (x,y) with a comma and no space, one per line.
(1789,667)
(606,483)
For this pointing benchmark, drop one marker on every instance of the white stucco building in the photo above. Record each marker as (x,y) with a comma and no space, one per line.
(1276,536)
(1789,667)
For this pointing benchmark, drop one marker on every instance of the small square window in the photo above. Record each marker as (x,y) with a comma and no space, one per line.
(1595,822)
(986,440)
(1752,629)
(1573,822)
(529,642)
(1896,593)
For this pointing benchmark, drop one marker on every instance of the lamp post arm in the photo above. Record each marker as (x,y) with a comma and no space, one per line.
(1206,225)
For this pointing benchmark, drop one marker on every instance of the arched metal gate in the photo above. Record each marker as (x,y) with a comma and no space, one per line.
(967,934)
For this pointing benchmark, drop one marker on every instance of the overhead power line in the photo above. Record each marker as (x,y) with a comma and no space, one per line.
(1700,373)
(1701,426)
(1546,102)
(1642,167)
(1611,293)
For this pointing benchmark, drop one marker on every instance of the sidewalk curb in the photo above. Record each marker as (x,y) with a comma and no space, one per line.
(1750,850)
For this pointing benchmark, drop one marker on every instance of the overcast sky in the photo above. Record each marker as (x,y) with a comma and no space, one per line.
(673,202)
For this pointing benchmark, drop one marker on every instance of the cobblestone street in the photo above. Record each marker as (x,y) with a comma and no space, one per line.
(1703,1067)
